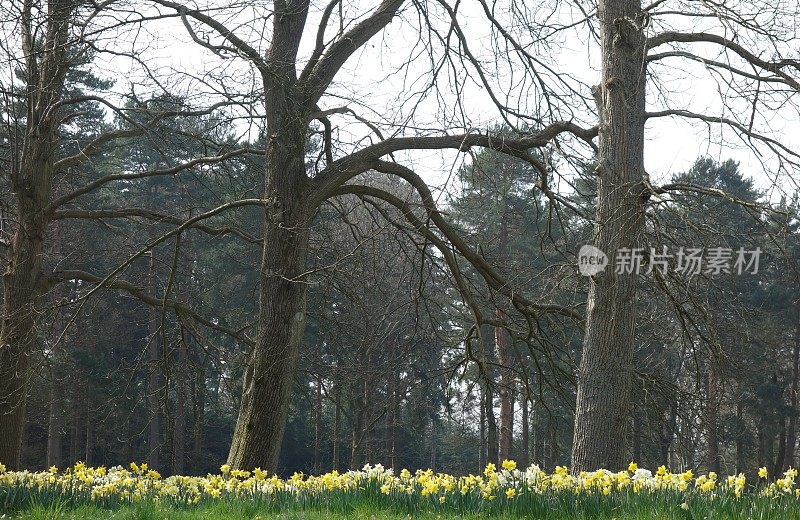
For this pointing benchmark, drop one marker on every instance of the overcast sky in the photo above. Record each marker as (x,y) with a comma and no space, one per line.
(383,81)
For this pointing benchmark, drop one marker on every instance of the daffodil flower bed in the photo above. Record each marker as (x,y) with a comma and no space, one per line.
(497,491)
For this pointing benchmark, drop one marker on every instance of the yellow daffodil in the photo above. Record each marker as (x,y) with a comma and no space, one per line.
(510,465)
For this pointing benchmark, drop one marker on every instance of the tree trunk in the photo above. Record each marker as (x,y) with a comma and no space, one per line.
(667,433)
(154,379)
(89,446)
(198,415)
(265,399)
(504,359)
(506,391)
(740,463)
(318,426)
(606,371)
(791,434)
(482,444)
(55,424)
(31,182)
(394,409)
(492,453)
(637,436)
(179,436)
(336,417)
(525,455)
(711,419)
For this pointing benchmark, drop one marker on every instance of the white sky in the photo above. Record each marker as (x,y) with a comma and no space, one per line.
(379,87)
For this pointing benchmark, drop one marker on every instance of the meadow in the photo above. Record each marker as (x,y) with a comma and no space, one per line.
(374,492)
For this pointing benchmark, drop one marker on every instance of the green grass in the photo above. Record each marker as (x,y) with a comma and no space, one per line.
(640,507)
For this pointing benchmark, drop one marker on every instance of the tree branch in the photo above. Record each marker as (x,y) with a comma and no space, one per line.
(141,294)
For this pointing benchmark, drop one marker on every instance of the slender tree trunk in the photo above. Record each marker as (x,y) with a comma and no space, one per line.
(198,416)
(90,431)
(606,371)
(318,426)
(506,392)
(55,423)
(181,381)
(154,377)
(791,434)
(637,435)
(504,359)
(667,433)
(711,419)
(740,463)
(483,445)
(336,418)
(392,421)
(492,452)
(525,455)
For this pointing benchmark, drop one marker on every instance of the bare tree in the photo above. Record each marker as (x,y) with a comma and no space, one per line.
(46,177)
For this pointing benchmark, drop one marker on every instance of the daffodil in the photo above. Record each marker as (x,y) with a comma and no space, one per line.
(509,465)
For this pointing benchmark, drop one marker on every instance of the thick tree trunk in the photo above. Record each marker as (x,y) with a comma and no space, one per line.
(17,332)
(31,179)
(265,399)
(606,372)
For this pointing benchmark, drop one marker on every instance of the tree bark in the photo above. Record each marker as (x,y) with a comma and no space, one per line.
(525,454)
(605,373)
(154,377)
(504,359)
(32,186)
(506,392)
(181,380)
(265,399)
(54,423)
(198,415)
(637,436)
(711,419)
(791,433)
(482,444)
(740,463)
(492,452)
